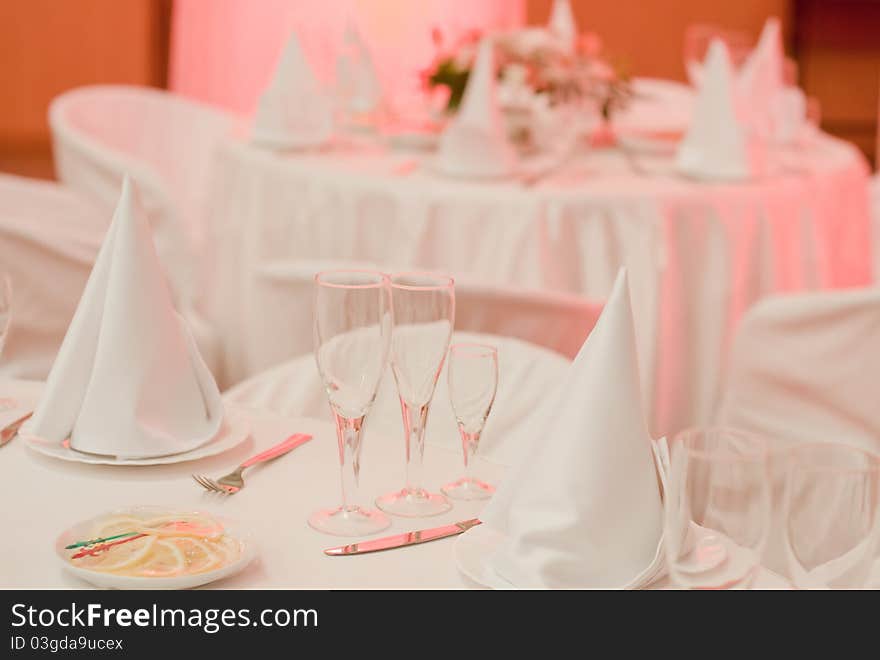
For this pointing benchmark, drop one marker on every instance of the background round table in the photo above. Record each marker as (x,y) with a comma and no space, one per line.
(698,254)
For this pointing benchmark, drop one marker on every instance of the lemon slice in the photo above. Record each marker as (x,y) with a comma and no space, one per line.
(194,525)
(117,525)
(200,556)
(165,560)
(230,547)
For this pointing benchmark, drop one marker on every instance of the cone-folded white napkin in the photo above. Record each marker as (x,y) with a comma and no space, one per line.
(562,23)
(582,509)
(356,74)
(475,143)
(760,80)
(128,380)
(716,145)
(294,111)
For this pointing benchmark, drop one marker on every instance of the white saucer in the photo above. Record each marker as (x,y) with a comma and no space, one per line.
(110,581)
(433,165)
(234,430)
(478,544)
(287,142)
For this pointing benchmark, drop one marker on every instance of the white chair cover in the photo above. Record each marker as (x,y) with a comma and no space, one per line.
(526,374)
(804,369)
(281,316)
(49,237)
(166,144)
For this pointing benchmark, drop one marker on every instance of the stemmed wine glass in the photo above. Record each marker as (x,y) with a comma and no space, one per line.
(352,335)
(830,516)
(473,380)
(5,323)
(424,315)
(717,508)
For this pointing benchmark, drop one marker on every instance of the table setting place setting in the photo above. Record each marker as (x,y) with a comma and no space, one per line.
(589,499)
(544,104)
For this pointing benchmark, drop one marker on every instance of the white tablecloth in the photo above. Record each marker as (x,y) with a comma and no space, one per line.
(44,496)
(698,254)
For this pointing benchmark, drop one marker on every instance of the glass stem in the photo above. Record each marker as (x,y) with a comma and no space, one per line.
(469,444)
(349,432)
(415,418)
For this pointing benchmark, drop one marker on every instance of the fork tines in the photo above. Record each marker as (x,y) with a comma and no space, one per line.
(209,484)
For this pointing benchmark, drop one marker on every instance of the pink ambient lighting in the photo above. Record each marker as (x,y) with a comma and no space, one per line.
(223,52)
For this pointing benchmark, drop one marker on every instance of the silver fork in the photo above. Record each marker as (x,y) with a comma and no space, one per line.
(233,482)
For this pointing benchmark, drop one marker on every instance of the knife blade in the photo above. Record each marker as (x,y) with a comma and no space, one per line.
(403,540)
(8,432)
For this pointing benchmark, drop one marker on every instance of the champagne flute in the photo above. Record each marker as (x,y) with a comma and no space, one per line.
(830,528)
(473,382)
(424,315)
(717,508)
(352,335)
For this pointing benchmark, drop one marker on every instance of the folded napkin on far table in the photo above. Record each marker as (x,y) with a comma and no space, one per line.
(356,74)
(773,108)
(717,145)
(582,508)
(475,143)
(293,112)
(128,380)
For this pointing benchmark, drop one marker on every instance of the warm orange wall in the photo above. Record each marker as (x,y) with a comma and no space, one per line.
(47,46)
(649,34)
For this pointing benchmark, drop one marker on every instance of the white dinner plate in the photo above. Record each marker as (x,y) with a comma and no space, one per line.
(287,142)
(109,581)
(474,548)
(472,552)
(234,430)
(659,105)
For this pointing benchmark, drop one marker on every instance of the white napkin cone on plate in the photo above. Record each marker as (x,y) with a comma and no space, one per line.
(475,142)
(562,23)
(582,508)
(128,380)
(356,74)
(773,110)
(293,111)
(716,145)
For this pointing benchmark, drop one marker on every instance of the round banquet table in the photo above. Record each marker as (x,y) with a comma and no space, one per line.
(51,495)
(698,254)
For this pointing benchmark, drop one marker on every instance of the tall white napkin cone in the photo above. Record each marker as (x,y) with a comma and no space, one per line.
(128,380)
(293,111)
(716,145)
(475,142)
(583,509)
(760,80)
(356,74)
(562,23)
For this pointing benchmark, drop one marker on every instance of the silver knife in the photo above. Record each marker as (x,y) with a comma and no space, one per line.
(8,432)
(405,539)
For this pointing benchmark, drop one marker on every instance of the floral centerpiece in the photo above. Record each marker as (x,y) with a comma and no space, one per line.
(539,75)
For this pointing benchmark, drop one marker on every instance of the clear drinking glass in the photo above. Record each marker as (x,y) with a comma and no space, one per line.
(424,315)
(831,516)
(352,337)
(473,381)
(5,322)
(717,508)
